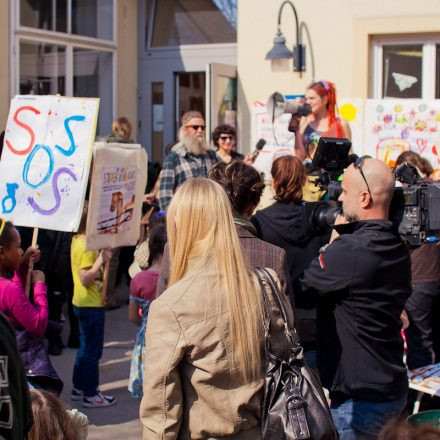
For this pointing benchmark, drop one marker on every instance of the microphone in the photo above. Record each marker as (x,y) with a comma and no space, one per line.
(258,147)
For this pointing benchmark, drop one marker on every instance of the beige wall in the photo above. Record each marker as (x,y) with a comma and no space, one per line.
(4,64)
(127,62)
(340,32)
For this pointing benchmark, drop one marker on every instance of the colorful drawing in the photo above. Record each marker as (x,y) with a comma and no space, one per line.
(45,163)
(392,126)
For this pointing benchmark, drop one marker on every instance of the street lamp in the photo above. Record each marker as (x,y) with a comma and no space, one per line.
(280,54)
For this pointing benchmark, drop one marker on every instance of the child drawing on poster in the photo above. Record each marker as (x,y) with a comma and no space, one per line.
(118,199)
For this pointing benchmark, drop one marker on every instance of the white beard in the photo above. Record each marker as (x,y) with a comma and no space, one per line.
(194,145)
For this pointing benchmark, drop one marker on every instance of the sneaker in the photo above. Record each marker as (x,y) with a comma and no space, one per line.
(76,394)
(98,401)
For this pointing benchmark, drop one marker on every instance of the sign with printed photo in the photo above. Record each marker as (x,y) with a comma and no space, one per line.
(115,206)
(45,161)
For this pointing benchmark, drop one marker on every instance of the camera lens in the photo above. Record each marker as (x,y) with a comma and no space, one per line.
(324,217)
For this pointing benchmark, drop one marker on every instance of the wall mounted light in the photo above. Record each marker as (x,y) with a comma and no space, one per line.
(280,54)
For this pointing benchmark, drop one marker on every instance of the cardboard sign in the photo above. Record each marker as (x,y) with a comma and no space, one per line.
(115,206)
(45,162)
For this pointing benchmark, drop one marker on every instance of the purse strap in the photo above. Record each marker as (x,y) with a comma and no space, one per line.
(289,331)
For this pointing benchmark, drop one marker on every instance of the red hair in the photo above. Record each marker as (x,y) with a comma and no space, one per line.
(327,89)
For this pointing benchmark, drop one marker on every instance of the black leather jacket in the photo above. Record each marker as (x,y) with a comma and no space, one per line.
(362,281)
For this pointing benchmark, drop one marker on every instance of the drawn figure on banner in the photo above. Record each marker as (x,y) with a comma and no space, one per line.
(397,126)
(119,184)
(48,147)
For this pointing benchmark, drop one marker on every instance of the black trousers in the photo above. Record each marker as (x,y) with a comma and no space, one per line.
(423,333)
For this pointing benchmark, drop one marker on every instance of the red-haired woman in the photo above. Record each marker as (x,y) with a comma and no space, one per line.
(321,96)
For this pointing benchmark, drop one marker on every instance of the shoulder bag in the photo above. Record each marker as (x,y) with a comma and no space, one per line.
(294,404)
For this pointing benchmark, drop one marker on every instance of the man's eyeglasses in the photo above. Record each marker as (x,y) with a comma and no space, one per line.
(358,165)
(197,127)
(225,138)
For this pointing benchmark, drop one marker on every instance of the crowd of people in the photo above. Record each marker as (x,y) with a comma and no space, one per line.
(200,312)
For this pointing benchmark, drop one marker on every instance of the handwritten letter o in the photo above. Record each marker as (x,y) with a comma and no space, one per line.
(28,162)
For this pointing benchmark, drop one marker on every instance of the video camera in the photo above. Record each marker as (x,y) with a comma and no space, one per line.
(415,207)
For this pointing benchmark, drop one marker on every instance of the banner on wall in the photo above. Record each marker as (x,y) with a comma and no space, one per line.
(45,161)
(276,135)
(115,205)
(393,126)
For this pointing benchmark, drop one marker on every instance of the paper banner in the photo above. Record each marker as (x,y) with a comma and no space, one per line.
(118,185)
(393,126)
(45,162)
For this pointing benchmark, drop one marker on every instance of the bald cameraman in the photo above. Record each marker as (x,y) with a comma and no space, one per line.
(362,279)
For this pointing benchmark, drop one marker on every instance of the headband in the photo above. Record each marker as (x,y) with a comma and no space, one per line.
(325,84)
(2,225)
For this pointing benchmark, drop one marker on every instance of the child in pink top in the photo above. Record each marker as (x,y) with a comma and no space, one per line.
(21,313)
(142,293)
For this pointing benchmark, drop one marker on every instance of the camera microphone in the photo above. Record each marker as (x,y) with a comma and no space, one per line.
(258,147)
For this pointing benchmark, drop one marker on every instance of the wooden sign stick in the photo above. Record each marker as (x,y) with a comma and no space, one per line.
(31,264)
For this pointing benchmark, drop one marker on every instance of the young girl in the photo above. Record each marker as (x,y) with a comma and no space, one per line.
(21,313)
(53,421)
(142,292)
(88,306)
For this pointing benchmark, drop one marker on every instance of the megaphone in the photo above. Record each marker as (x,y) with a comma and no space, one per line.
(277,105)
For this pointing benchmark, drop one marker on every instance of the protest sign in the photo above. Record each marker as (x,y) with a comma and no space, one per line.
(118,185)
(392,126)
(46,158)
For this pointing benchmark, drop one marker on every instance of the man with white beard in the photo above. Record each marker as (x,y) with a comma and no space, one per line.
(189,158)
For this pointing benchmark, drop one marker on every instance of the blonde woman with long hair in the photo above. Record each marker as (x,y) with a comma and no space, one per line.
(203,374)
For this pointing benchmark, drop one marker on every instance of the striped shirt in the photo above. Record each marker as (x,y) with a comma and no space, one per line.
(179,166)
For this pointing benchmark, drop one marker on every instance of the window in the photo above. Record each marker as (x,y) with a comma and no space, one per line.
(178,22)
(89,18)
(406,68)
(78,63)
(42,69)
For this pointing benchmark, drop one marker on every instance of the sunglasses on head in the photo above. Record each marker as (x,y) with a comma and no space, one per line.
(358,165)
(197,127)
(226,137)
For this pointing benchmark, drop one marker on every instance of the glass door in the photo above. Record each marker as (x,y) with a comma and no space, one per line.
(221,93)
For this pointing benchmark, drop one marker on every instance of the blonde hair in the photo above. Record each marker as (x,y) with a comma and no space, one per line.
(200,227)
(122,127)
(51,421)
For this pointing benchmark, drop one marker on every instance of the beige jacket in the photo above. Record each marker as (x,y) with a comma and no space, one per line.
(191,388)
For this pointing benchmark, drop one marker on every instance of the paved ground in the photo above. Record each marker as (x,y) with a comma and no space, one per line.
(121,420)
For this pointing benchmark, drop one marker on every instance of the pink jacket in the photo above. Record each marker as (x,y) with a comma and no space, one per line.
(15,305)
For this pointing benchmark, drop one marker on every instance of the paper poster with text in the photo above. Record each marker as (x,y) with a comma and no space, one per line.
(115,205)
(393,126)
(277,136)
(45,162)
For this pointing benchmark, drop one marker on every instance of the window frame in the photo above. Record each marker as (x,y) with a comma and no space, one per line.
(149,23)
(65,39)
(428,62)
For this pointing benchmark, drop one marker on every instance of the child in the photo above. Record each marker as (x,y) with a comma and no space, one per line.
(88,306)
(53,421)
(21,313)
(142,292)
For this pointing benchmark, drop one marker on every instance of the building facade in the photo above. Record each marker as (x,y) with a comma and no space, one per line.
(152,60)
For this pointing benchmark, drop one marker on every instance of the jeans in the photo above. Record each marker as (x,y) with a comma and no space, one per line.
(91,336)
(420,336)
(362,420)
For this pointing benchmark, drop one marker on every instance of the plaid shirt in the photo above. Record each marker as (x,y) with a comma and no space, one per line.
(179,166)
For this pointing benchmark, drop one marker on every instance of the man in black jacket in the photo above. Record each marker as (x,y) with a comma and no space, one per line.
(362,279)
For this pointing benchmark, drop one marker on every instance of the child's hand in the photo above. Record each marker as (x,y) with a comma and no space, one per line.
(106,254)
(38,276)
(32,255)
